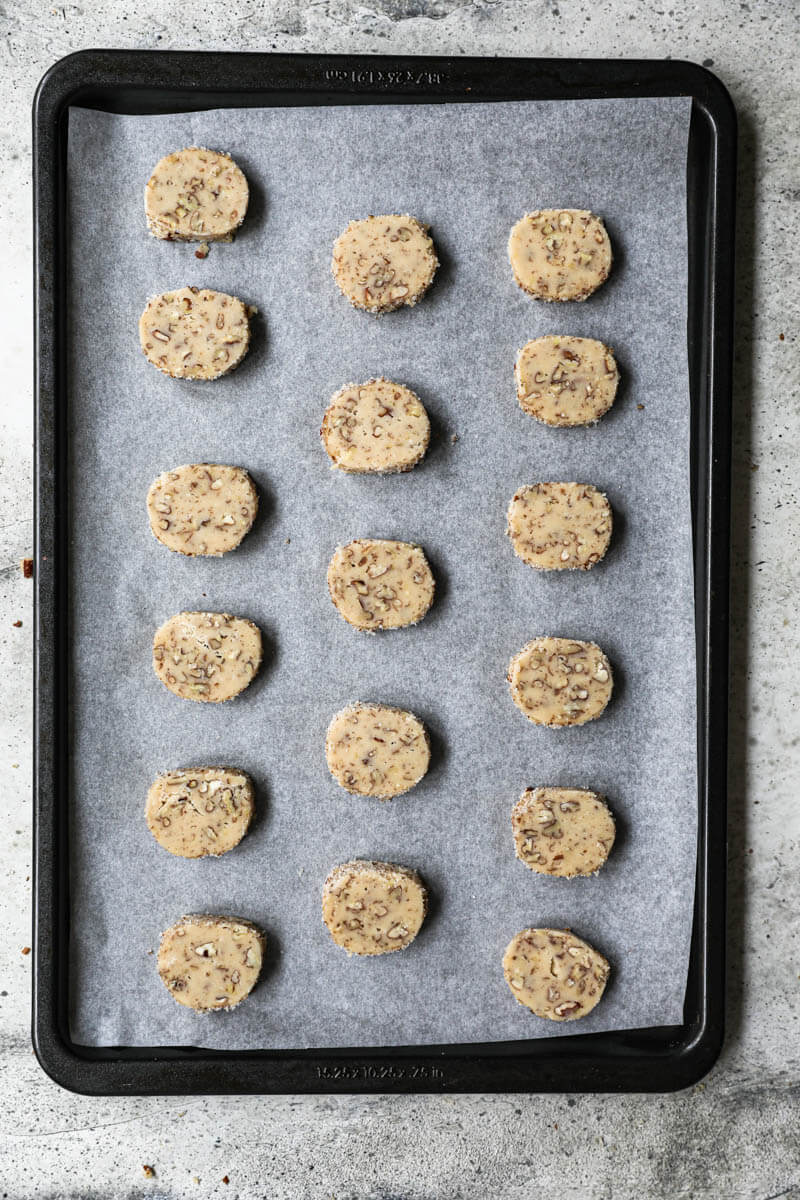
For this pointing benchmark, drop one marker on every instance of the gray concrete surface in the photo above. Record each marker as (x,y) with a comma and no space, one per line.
(736,1134)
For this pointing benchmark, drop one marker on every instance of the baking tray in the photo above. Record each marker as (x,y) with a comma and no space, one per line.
(138,82)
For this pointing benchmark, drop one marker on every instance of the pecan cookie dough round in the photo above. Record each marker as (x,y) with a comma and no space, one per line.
(559,526)
(202,508)
(562,831)
(379,584)
(195,195)
(200,811)
(373,907)
(194,333)
(210,963)
(566,381)
(560,254)
(377,427)
(206,656)
(555,974)
(376,750)
(559,681)
(382,263)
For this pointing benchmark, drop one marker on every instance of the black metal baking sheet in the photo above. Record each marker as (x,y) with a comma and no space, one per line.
(657,1059)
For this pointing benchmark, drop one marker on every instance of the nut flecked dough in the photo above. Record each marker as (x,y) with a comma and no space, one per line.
(559,526)
(210,963)
(559,681)
(195,195)
(566,381)
(209,657)
(380,584)
(383,263)
(377,427)
(373,907)
(560,254)
(194,333)
(202,508)
(562,831)
(200,811)
(554,973)
(377,750)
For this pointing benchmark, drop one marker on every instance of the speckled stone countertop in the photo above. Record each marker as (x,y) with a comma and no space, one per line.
(735,1134)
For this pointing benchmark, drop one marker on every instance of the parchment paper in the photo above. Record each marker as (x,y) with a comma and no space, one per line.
(470,171)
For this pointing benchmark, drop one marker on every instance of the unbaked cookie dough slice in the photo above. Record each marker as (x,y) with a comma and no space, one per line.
(560,254)
(376,750)
(202,508)
(379,584)
(377,427)
(206,656)
(562,831)
(201,811)
(557,681)
(382,263)
(195,333)
(554,973)
(373,907)
(566,381)
(210,963)
(559,526)
(195,195)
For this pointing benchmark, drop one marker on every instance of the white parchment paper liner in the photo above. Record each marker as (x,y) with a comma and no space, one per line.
(470,171)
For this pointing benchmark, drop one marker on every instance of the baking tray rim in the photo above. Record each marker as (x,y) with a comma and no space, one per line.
(660,1059)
